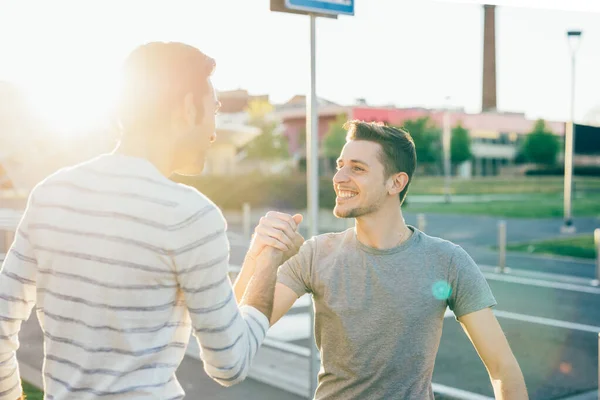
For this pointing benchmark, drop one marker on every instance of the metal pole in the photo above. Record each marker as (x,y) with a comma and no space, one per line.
(312,165)
(596,281)
(502,246)
(446,140)
(246,220)
(569,139)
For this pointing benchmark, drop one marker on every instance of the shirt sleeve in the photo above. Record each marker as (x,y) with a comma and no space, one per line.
(17,298)
(296,273)
(228,336)
(470,291)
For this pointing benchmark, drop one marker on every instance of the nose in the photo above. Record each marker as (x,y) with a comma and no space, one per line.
(340,176)
(213,137)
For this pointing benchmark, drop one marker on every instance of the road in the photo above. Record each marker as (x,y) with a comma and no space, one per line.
(478,234)
(551,322)
(548,310)
(552,331)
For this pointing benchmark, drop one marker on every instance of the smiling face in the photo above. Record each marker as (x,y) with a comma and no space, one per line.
(360,182)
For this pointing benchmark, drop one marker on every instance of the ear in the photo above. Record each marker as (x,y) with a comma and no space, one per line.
(397,183)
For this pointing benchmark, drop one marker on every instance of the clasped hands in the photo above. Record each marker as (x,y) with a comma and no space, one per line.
(277,231)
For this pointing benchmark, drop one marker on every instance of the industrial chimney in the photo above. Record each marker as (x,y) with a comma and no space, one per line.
(488,98)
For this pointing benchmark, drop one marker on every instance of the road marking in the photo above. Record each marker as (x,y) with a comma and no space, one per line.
(291,328)
(541,283)
(31,374)
(547,321)
(303,301)
(522,280)
(548,257)
(458,393)
(539,320)
(547,276)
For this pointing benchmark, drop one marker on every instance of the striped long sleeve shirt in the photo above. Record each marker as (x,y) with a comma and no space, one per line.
(122,265)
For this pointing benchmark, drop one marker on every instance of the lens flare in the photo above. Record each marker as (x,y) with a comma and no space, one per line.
(441,290)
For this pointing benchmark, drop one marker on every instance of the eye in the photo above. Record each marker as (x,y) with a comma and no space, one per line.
(358,169)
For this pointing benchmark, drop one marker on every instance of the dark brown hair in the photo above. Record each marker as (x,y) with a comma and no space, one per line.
(397,153)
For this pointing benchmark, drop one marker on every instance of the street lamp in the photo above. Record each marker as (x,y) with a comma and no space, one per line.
(446,140)
(574,39)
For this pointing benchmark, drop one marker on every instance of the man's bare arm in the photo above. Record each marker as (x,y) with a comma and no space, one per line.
(276,230)
(261,288)
(489,341)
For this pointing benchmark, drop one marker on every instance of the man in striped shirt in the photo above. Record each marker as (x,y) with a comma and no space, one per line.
(123,264)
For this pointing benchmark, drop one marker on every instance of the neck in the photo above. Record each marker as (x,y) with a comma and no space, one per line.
(140,146)
(382,229)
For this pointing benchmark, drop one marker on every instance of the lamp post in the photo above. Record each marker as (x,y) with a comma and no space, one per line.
(446,140)
(574,39)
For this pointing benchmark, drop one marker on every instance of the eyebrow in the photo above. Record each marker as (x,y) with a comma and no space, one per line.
(353,162)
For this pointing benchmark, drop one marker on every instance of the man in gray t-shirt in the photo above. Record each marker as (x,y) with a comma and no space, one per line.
(382,288)
(379,313)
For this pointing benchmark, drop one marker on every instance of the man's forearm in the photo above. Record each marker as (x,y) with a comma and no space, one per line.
(261,288)
(510,385)
(243,278)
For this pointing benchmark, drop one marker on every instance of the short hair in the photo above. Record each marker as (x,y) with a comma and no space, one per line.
(397,153)
(156,76)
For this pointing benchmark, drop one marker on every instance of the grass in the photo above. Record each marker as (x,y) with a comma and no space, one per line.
(424,185)
(578,246)
(31,392)
(532,206)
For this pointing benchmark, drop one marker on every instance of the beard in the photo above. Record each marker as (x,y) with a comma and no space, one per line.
(355,212)
(360,211)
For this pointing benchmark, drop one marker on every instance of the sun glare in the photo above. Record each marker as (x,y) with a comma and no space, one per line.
(70,106)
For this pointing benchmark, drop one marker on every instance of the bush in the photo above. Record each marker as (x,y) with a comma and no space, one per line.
(268,191)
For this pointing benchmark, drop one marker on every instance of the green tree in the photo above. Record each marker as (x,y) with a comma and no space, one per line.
(269,144)
(541,145)
(460,145)
(427,138)
(335,139)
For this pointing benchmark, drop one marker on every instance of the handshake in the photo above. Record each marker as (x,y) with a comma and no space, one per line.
(277,232)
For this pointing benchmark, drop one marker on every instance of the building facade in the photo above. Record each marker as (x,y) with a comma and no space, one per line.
(495,136)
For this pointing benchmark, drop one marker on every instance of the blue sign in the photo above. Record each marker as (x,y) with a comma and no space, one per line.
(334,7)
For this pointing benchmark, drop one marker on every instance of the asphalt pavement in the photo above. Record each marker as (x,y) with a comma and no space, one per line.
(551,321)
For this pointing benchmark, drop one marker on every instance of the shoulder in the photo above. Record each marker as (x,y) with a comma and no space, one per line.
(436,245)
(442,250)
(329,242)
(195,204)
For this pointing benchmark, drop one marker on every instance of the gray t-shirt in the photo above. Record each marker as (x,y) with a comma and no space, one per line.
(379,313)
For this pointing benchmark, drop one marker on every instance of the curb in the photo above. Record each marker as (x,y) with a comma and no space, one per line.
(31,374)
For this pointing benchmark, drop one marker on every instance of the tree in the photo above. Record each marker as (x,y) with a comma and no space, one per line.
(426,136)
(541,145)
(269,144)
(335,139)
(460,145)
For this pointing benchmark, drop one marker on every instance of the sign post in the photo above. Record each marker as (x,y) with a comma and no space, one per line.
(313,8)
(334,7)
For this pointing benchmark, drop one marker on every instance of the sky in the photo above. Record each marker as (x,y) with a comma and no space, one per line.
(66,54)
